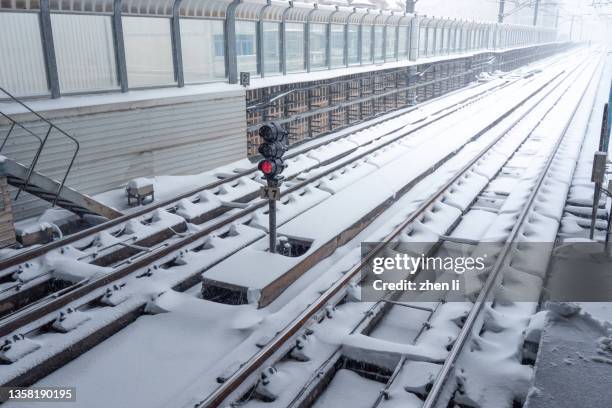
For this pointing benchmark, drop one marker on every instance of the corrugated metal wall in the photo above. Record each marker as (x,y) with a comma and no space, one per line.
(184,136)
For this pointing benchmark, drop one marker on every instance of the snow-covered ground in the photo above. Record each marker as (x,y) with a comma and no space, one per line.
(173,355)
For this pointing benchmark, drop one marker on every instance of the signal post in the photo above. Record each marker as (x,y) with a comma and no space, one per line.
(275,144)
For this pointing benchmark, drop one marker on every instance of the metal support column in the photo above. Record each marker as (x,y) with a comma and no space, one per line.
(260,41)
(345,50)
(384,44)
(500,14)
(259,45)
(346,37)
(307,37)
(283,40)
(231,57)
(410,6)
(360,40)
(397,38)
(272,218)
(536,10)
(177,54)
(49,49)
(119,46)
(328,37)
(413,52)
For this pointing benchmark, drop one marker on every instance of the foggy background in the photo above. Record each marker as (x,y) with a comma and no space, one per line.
(586,19)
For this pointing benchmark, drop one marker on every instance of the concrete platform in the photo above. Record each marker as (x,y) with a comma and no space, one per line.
(573,367)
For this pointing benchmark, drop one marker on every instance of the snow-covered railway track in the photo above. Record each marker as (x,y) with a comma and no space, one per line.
(27,277)
(287,354)
(83,333)
(44,278)
(223,181)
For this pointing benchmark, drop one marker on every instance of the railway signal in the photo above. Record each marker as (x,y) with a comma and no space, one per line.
(272,149)
(274,146)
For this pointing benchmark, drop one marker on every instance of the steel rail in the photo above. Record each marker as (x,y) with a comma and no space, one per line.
(249,368)
(501,262)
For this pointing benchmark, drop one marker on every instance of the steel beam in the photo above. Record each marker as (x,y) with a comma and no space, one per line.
(410,6)
(283,39)
(49,49)
(231,56)
(413,52)
(536,10)
(119,46)
(177,52)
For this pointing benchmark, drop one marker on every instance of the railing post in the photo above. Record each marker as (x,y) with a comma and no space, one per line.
(49,49)
(119,46)
(34,162)
(8,134)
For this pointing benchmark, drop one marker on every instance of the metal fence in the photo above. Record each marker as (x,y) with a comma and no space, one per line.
(55,47)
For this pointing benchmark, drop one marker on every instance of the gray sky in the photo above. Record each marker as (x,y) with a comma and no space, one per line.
(522,11)
(516,12)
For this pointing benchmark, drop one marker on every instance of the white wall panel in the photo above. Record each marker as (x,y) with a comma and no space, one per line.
(182,137)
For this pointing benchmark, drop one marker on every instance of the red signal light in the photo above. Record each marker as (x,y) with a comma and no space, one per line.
(266,167)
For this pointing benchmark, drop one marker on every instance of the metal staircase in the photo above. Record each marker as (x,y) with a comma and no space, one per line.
(25,178)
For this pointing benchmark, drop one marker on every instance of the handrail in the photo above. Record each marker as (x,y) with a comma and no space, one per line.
(41,146)
(13,123)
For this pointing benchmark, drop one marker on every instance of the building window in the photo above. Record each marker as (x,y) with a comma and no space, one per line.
(202,45)
(148,51)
